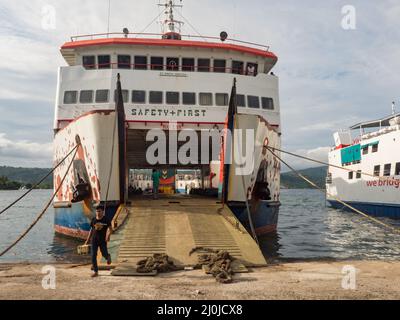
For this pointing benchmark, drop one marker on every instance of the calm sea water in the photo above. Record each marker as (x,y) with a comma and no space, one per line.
(307,230)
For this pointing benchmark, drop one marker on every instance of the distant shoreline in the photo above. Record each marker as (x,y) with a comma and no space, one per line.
(20,177)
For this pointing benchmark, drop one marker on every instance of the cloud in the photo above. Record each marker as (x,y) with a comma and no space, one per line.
(25,153)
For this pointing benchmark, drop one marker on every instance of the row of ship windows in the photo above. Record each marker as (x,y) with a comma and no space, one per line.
(170,64)
(387,170)
(173,98)
(365,149)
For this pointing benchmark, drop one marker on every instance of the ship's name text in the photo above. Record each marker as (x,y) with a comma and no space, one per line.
(384,183)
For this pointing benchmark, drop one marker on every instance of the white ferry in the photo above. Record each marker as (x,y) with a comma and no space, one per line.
(171,82)
(373,152)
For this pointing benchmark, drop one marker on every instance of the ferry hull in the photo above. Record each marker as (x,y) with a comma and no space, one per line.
(373,209)
(265,216)
(75,221)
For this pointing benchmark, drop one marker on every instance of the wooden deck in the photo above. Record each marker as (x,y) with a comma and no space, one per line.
(174,225)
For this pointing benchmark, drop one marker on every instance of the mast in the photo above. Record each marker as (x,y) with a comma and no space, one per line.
(171,28)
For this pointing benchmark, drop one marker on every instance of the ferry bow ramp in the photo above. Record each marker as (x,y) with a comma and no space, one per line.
(175,225)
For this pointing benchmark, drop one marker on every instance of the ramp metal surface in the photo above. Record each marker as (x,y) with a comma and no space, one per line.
(174,225)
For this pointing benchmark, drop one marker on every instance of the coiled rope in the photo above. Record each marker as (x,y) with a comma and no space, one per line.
(48,204)
(396,230)
(38,183)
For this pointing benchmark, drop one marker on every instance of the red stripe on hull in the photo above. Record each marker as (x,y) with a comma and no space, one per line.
(73,233)
(266,229)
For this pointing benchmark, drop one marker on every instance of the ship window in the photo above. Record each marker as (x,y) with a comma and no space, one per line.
(358,176)
(237,67)
(70,97)
(267,103)
(157,63)
(89,62)
(203,65)
(397,170)
(125,96)
(241,100)
(187,64)
(205,99)
(86,96)
(140,62)
(172,97)
(173,64)
(221,99)
(387,169)
(124,62)
(156,97)
(104,61)
(251,69)
(365,150)
(375,148)
(219,65)
(351,174)
(253,102)
(102,96)
(189,98)
(377,171)
(138,96)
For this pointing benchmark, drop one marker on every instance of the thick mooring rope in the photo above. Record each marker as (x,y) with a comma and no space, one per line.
(217,262)
(329,164)
(39,182)
(47,205)
(394,229)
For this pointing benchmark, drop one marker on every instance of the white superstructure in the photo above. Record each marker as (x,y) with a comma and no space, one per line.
(171,82)
(374,152)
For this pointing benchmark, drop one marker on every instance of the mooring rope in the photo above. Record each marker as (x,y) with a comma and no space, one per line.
(397,230)
(46,207)
(39,182)
(329,164)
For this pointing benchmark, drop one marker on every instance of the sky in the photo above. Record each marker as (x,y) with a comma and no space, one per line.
(331,77)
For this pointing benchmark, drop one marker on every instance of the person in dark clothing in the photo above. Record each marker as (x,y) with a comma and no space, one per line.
(99,234)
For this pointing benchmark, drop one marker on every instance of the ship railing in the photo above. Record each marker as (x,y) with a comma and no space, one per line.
(168,68)
(159,36)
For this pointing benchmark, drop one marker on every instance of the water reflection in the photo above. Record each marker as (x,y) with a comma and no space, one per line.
(64,249)
(270,246)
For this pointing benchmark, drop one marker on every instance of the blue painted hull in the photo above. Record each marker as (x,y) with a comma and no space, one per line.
(264,216)
(74,221)
(373,209)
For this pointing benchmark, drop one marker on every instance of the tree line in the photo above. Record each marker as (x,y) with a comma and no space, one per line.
(7,184)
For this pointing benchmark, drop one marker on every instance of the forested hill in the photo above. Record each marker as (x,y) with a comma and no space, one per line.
(26,176)
(290,180)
